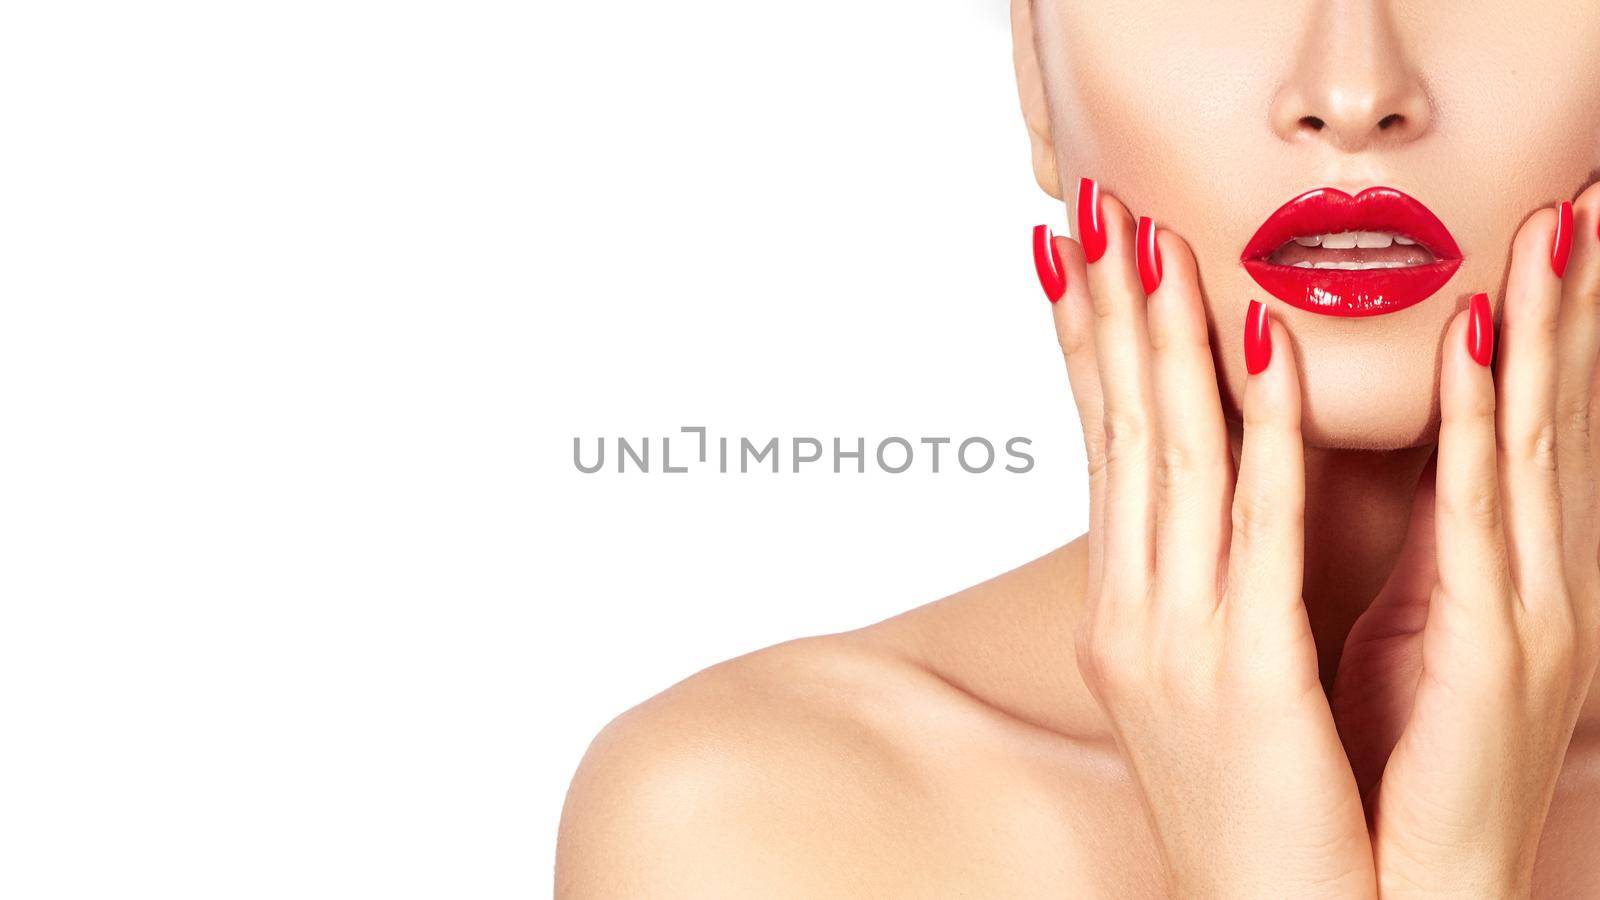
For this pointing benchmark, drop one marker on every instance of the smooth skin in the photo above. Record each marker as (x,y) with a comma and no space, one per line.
(1186,745)
(1229,675)
(1332,629)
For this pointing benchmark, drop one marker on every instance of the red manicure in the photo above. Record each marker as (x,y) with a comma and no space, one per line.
(1052,277)
(1480,330)
(1562,251)
(1257,338)
(1149,255)
(1091,230)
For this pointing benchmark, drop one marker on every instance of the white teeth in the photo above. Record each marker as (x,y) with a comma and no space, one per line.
(1349,240)
(1350,266)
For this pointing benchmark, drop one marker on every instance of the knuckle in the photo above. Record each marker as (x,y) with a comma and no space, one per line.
(1108,659)
(1106,304)
(1478,505)
(1182,479)
(1126,433)
(1073,339)
(1477,411)
(1094,451)
(1097,464)
(1257,513)
(1177,468)
(1563,643)
(1535,447)
(1572,414)
(1550,664)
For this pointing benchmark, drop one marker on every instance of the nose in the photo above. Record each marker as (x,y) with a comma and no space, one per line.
(1351,84)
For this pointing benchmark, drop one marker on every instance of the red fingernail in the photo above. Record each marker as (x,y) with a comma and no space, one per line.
(1149,255)
(1257,338)
(1052,277)
(1562,251)
(1480,330)
(1091,230)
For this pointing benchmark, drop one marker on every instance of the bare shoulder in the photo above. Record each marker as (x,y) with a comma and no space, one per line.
(826,766)
(893,761)
(785,767)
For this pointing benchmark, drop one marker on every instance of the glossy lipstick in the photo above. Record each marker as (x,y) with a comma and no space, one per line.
(1306,254)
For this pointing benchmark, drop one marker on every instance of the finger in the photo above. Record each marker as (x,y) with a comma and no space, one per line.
(1579,340)
(1122,359)
(1193,462)
(1266,551)
(1469,536)
(1526,403)
(1074,321)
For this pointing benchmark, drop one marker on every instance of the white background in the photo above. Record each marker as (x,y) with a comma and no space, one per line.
(303,305)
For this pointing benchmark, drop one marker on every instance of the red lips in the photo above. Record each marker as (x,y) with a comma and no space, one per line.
(1352,292)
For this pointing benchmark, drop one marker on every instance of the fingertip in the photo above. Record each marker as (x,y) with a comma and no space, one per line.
(1257,338)
(1561,252)
(1175,273)
(1479,338)
(1070,252)
(1178,267)
(1537,232)
(1073,315)
(1284,374)
(1588,198)
(1177,314)
(1118,227)
(1272,392)
(1536,251)
(1465,383)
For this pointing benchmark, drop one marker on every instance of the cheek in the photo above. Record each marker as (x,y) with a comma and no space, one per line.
(1167,104)
(1519,127)
(1159,98)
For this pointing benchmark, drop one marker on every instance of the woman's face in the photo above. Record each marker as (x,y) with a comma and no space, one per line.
(1210,116)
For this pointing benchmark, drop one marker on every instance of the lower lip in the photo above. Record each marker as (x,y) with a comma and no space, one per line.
(1351,292)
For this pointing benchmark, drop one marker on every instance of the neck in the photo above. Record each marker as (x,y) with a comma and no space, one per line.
(1358,503)
(1009,640)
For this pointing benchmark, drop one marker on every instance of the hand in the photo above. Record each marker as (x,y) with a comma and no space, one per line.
(1196,641)
(1475,660)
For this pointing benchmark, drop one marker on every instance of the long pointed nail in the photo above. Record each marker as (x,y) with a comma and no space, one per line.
(1052,276)
(1149,255)
(1562,251)
(1091,229)
(1480,330)
(1257,338)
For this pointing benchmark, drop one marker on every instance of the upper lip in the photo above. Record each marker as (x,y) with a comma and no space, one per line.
(1329,210)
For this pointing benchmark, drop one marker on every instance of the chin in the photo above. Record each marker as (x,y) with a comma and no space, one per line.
(1351,408)
(1367,383)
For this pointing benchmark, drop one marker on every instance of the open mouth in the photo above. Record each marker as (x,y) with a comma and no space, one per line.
(1330,253)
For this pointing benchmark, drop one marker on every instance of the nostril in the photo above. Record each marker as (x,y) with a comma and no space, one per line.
(1312,123)
(1392,120)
